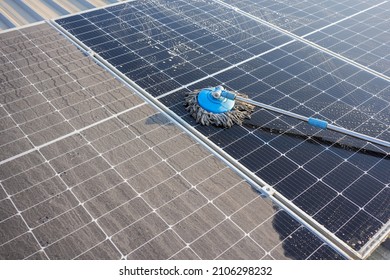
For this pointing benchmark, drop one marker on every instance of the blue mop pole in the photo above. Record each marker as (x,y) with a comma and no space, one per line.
(312,121)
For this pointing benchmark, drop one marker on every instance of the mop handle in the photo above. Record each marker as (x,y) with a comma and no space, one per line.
(312,121)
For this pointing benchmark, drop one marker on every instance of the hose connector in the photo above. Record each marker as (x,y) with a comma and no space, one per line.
(228,95)
(217,92)
(318,123)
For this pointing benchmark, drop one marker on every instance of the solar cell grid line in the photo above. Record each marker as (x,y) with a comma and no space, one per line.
(60,101)
(244,91)
(348,49)
(250,65)
(363,43)
(214,131)
(17,106)
(115,25)
(80,87)
(28,70)
(13,44)
(340,81)
(72,151)
(111,210)
(49,142)
(252,97)
(217,26)
(32,120)
(11,35)
(31,65)
(57,158)
(38,118)
(371,45)
(334,70)
(263,177)
(18,214)
(211,76)
(195,240)
(36,244)
(67,189)
(303,18)
(277,12)
(213,23)
(88,224)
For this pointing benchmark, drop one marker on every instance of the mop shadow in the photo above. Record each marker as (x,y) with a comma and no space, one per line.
(158,119)
(349,145)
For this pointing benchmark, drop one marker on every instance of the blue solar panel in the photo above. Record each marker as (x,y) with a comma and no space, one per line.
(355,29)
(170,48)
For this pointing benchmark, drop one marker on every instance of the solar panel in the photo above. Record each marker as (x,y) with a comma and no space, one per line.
(182,46)
(89,170)
(355,29)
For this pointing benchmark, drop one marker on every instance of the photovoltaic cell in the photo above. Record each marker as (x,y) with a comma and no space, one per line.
(354,29)
(302,18)
(72,190)
(299,160)
(195,43)
(83,183)
(324,253)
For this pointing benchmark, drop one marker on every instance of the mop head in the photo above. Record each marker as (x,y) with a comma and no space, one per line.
(236,115)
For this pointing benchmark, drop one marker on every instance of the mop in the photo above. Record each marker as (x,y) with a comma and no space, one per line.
(219,107)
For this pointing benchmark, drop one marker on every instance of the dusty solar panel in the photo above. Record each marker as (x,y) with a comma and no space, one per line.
(91,171)
(169,48)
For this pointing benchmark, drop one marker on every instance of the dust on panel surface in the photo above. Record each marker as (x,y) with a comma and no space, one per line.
(90,171)
(172,47)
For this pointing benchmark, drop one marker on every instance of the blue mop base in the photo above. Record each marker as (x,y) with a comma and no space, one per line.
(214,105)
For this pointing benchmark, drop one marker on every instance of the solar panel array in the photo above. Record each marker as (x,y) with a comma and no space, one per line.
(172,47)
(357,30)
(89,170)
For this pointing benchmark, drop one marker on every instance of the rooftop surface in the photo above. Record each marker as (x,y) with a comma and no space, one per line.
(14,13)
(99,159)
